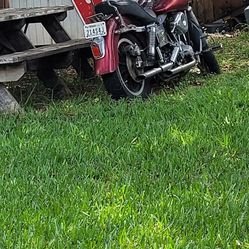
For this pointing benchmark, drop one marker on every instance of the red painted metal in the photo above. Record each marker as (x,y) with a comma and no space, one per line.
(164,6)
(206,10)
(85,8)
(109,63)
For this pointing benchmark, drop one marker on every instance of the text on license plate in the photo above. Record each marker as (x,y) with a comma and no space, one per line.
(94,30)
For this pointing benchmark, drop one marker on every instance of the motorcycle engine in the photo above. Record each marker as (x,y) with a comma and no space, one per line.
(179,25)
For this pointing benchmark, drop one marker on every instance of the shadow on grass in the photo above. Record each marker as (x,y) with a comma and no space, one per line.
(30,92)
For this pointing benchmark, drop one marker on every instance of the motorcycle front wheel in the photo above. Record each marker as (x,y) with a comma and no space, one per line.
(123,82)
(208,62)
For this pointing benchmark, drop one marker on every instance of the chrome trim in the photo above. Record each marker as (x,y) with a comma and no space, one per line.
(100,42)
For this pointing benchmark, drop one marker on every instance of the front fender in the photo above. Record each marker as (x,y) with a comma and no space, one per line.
(196,33)
(109,63)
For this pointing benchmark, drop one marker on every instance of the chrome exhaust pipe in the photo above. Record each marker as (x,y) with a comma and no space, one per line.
(182,68)
(166,68)
(155,71)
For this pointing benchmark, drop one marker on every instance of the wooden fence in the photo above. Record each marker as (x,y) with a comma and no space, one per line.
(4,4)
(211,10)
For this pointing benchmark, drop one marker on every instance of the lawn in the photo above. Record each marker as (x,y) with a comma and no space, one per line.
(169,172)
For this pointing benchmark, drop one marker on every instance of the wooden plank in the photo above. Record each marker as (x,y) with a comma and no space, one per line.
(10,73)
(45,51)
(204,10)
(23,13)
(55,29)
(211,10)
(4,4)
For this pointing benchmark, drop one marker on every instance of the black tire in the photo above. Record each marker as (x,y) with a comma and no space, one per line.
(120,84)
(208,62)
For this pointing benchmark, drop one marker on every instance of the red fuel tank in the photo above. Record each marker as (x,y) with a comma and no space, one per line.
(163,6)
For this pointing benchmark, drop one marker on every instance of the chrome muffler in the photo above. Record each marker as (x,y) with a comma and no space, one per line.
(182,68)
(155,71)
(167,68)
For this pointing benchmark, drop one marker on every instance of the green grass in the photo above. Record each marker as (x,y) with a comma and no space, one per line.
(169,172)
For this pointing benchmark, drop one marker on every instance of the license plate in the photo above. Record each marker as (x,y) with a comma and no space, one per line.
(94,30)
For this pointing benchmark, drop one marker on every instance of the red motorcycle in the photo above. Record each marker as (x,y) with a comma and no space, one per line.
(134,43)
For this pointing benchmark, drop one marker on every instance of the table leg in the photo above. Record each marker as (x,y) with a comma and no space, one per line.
(8,103)
(81,64)
(80,60)
(55,30)
(51,80)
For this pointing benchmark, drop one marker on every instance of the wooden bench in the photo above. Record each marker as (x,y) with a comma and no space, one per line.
(44,51)
(27,13)
(18,55)
(13,66)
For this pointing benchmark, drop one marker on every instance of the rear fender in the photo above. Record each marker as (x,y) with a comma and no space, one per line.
(109,63)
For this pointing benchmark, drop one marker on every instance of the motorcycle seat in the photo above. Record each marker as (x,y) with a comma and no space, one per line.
(128,8)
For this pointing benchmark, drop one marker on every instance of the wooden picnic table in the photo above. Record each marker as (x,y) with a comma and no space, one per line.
(18,55)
